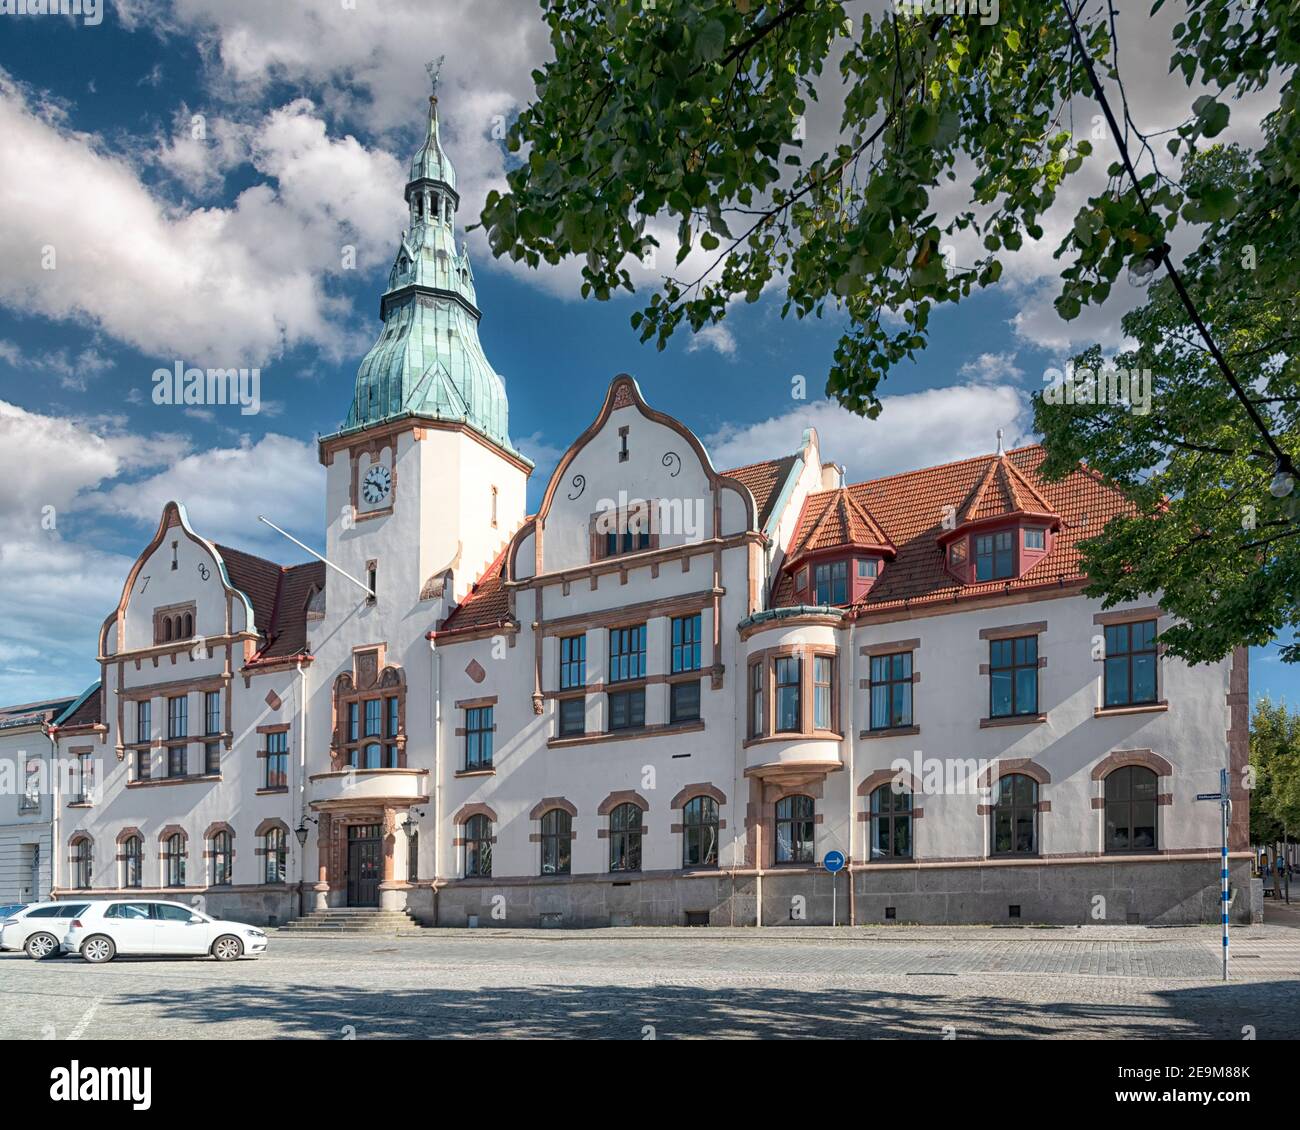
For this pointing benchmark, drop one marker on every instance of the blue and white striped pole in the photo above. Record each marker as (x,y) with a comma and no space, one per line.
(1224,805)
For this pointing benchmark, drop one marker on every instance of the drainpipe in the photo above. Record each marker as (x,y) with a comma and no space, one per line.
(758,865)
(849,734)
(435,721)
(51,732)
(302,781)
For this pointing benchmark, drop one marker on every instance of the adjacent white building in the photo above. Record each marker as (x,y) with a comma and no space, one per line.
(662,698)
(27,768)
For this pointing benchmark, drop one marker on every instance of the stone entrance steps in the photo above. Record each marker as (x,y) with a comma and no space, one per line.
(351,920)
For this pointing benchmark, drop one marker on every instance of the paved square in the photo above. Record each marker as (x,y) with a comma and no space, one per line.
(1084,982)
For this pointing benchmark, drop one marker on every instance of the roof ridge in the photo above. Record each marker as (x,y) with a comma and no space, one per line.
(976,497)
(940,466)
(760,463)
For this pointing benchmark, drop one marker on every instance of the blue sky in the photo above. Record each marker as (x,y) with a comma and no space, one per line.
(225,249)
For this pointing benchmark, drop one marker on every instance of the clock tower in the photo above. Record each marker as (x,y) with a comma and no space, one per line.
(424,485)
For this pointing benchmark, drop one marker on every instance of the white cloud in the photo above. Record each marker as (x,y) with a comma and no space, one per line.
(58,581)
(718,338)
(74,372)
(53,590)
(990,368)
(913,430)
(224,489)
(228,286)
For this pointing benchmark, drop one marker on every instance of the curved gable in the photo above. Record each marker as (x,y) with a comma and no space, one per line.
(177,569)
(633,454)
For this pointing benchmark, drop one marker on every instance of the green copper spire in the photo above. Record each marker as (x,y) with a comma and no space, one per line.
(428,360)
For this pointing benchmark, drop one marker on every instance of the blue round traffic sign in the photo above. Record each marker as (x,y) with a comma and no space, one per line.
(834,861)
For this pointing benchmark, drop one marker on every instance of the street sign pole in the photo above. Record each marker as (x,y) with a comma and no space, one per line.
(834,862)
(1224,806)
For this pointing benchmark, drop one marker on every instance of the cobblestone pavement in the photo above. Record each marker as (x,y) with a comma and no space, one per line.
(1093,982)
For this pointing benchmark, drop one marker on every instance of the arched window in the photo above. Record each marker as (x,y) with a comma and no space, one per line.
(81,863)
(132,854)
(1131,809)
(700,832)
(168,629)
(223,858)
(275,848)
(187,628)
(478,847)
(557,842)
(891,823)
(174,860)
(625,830)
(1015,815)
(794,829)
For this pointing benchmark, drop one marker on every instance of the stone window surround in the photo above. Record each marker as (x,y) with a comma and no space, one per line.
(596,536)
(1122,758)
(1008,767)
(760,814)
(612,801)
(806,653)
(688,793)
(385,682)
(173,616)
(462,817)
(126,834)
(1115,616)
(164,858)
(549,804)
(1012,632)
(74,843)
(210,833)
(874,650)
(161,692)
(869,784)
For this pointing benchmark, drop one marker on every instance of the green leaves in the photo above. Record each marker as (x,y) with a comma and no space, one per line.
(693,113)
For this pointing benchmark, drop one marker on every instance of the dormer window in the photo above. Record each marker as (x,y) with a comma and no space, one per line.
(868,568)
(801,579)
(1036,539)
(995,555)
(957,553)
(831,580)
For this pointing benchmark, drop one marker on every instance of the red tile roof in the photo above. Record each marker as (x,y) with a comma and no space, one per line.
(1003,490)
(279,595)
(486,605)
(764,481)
(834,518)
(910,508)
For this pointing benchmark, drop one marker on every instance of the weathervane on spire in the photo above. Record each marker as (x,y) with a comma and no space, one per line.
(434,69)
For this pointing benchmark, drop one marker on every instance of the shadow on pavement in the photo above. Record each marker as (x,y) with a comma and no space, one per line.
(589,1012)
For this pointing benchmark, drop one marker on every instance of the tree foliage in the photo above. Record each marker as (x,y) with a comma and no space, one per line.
(1275,759)
(952,129)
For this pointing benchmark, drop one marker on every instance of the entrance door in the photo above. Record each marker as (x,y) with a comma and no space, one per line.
(365,854)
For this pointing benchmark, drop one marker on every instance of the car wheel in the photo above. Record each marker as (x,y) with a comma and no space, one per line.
(41,946)
(98,948)
(227,948)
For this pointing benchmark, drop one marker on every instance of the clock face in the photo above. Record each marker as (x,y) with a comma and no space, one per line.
(376,485)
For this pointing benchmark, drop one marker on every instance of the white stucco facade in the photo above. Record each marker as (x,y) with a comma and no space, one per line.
(639,704)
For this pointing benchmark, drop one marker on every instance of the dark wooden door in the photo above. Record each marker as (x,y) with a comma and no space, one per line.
(365,856)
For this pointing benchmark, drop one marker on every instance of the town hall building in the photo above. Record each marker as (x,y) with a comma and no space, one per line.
(662,698)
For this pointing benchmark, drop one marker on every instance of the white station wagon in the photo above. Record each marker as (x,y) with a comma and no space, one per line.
(39,929)
(145,926)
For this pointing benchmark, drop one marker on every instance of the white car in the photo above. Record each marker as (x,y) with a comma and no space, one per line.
(145,926)
(40,928)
